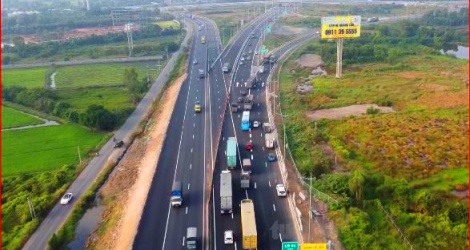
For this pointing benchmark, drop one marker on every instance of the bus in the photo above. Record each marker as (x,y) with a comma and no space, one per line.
(203,39)
(245,121)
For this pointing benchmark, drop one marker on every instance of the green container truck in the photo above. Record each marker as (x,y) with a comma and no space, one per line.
(231,152)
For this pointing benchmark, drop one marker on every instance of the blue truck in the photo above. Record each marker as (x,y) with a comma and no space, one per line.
(177,194)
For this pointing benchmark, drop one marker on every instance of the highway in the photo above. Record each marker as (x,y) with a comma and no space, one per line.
(273,218)
(185,157)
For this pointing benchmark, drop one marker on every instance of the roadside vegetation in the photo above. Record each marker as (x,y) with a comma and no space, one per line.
(410,165)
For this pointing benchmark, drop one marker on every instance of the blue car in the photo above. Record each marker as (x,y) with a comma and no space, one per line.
(271,157)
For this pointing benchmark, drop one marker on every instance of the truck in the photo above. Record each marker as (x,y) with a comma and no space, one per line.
(245,180)
(177,194)
(372,19)
(249,233)
(225,192)
(226,67)
(246,165)
(267,127)
(248,102)
(231,152)
(203,39)
(251,82)
(261,69)
(269,138)
(191,237)
(201,73)
(234,107)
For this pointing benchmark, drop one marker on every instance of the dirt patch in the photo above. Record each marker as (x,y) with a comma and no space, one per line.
(75,33)
(310,61)
(411,75)
(343,112)
(124,195)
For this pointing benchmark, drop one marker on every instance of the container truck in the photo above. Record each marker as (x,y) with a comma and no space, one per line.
(246,165)
(225,192)
(249,233)
(191,238)
(269,138)
(177,194)
(231,152)
(248,102)
(245,180)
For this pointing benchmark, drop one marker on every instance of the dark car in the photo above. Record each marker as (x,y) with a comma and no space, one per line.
(244,92)
(240,99)
(249,146)
(118,144)
(271,157)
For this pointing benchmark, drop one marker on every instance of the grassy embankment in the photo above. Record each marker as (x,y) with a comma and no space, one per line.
(167,24)
(45,176)
(412,161)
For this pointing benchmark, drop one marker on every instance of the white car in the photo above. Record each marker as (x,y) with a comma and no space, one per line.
(66,198)
(281,190)
(228,237)
(255,124)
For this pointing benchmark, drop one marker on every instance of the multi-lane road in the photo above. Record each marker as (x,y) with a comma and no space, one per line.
(273,219)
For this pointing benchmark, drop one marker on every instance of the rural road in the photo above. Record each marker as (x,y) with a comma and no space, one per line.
(60,213)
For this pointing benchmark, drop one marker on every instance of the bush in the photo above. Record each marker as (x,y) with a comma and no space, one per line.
(372,111)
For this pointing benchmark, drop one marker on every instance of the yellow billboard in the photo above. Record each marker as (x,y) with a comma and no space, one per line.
(313,246)
(334,27)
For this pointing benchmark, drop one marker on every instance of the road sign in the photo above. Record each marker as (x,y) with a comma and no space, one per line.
(333,27)
(313,246)
(290,245)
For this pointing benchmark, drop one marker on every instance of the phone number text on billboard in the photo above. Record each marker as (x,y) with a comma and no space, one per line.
(341,27)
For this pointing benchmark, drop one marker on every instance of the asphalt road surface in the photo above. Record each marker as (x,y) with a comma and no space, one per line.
(273,218)
(59,213)
(185,157)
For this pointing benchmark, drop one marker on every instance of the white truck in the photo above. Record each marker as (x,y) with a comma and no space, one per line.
(248,102)
(270,140)
(267,127)
(261,69)
(225,192)
(245,180)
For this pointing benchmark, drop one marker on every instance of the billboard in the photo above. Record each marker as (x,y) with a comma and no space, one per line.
(334,27)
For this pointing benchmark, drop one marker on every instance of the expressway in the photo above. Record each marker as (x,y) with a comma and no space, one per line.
(183,159)
(273,218)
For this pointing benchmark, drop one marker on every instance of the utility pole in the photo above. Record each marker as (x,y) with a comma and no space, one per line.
(79,156)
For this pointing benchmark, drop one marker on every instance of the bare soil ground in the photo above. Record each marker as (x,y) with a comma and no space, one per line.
(309,60)
(343,112)
(77,33)
(125,193)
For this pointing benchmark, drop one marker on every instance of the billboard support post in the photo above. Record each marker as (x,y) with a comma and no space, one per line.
(339,57)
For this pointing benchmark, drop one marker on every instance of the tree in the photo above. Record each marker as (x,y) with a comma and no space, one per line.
(97,117)
(356,184)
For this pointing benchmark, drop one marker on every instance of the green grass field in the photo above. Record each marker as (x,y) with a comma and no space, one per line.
(167,24)
(12,118)
(98,74)
(29,78)
(110,98)
(45,148)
